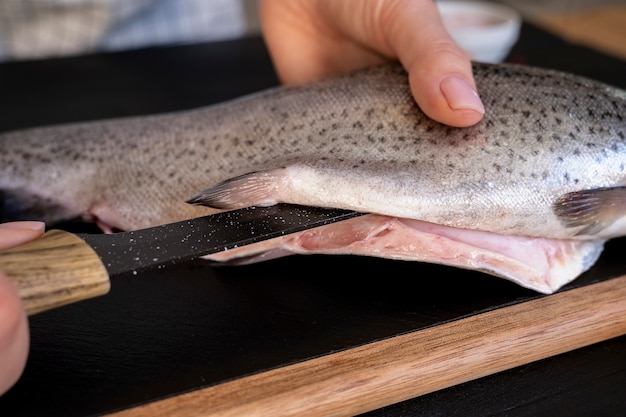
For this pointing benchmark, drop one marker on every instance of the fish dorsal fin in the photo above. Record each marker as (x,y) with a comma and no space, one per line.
(593,210)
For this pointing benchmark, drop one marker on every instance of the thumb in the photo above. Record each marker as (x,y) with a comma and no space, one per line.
(14,336)
(440,72)
(19,232)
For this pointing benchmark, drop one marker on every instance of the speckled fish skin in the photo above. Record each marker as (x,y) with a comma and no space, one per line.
(357,141)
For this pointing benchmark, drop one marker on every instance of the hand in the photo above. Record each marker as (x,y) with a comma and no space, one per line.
(14,337)
(312,39)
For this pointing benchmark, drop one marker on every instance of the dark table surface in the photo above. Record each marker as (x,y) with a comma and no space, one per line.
(192,325)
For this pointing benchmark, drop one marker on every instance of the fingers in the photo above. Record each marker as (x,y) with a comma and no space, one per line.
(14,336)
(17,233)
(440,72)
(312,39)
(294,34)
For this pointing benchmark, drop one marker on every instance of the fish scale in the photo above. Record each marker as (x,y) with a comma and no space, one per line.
(530,193)
(356,142)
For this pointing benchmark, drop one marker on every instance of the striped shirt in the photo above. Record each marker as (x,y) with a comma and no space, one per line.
(31,29)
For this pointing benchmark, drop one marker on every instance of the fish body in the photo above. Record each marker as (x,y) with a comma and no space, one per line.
(547,162)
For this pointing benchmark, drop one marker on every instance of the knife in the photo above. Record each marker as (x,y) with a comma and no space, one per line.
(62,267)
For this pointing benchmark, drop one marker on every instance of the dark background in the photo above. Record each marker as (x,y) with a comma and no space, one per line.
(190,326)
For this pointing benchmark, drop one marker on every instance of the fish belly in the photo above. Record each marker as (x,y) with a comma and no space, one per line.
(541,264)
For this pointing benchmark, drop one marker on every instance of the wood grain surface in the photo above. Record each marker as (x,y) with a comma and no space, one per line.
(55,270)
(388,371)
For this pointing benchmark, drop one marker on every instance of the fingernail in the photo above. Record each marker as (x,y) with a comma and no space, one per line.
(24,225)
(460,95)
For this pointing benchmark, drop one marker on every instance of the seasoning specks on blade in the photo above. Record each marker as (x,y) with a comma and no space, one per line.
(137,250)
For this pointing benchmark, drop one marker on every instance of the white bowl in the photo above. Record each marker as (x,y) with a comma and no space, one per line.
(487,31)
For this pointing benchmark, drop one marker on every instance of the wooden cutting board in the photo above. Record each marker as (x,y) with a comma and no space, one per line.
(301,335)
(388,371)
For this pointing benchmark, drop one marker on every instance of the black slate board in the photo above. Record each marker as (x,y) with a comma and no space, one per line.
(162,333)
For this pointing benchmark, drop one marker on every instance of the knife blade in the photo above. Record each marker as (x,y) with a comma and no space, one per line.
(62,267)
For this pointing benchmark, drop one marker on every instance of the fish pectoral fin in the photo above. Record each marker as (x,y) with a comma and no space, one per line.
(593,210)
(259,188)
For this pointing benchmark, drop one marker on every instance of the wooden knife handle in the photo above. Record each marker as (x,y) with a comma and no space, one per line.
(57,269)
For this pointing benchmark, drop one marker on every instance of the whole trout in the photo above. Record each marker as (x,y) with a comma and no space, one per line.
(530,193)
